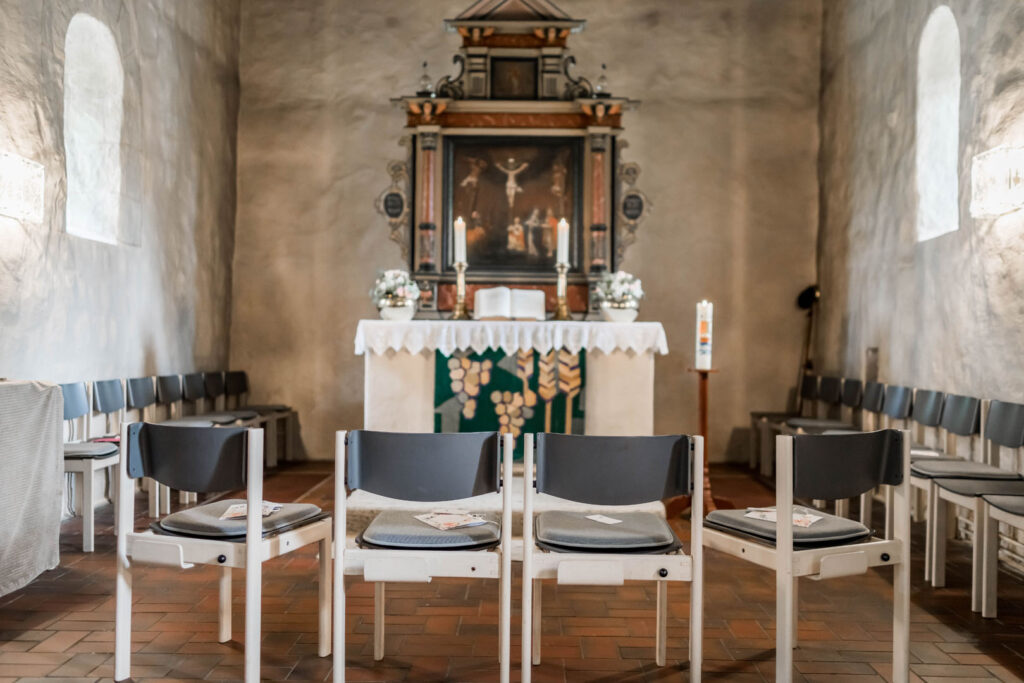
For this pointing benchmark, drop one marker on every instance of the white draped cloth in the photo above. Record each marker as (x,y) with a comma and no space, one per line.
(446,336)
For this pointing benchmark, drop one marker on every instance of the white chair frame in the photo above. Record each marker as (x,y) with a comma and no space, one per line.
(826,563)
(85,469)
(988,529)
(610,569)
(184,553)
(281,421)
(380,566)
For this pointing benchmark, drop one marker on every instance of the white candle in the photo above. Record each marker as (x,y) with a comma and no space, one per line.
(705,311)
(460,240)
(563,241)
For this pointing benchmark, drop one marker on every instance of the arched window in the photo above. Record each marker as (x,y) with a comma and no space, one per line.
(938,126)
(93,109)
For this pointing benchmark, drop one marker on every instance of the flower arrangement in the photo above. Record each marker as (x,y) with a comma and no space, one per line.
(619,287)
(394,284)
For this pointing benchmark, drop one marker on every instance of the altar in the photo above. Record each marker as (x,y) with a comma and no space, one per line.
(617,395)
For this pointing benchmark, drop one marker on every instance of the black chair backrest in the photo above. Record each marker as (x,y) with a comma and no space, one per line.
(236,383)
(1004,424)
(897,402)
(874,397)
(423,467)
(141,392)
(837,466)
(201,459)
(830,390)
(168,389)
(76,400)
(214,384)
(853,392)
(108,395)
(961,415)
(614,470)
(927,407)
(194,387)
(809,387)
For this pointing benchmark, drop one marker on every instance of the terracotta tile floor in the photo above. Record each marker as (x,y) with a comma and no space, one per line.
(61,626)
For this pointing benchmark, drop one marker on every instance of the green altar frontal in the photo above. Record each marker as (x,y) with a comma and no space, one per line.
(523,393)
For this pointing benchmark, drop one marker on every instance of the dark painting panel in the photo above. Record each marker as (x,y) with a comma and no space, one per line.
(512,193)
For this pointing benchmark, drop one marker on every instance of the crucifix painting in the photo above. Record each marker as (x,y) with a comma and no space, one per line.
(512,192)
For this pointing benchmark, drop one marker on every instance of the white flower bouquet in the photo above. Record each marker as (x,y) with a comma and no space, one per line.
(395,294)
(619,287)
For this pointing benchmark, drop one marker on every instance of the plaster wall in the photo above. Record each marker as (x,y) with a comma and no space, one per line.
(945,313)
(726,136)
(157,302)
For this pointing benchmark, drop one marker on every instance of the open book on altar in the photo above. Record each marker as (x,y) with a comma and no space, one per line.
(502,303)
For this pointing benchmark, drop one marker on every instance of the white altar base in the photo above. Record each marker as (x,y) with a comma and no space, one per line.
(399,367)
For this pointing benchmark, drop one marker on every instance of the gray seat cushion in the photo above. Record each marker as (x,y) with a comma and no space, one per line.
(959,469)
(204,520)
(981,487)
(242,414)
(572,530)
(828,531)
(188,422)
(401,529)
(1012,504)
(815,423)
(224,418)
(90,449)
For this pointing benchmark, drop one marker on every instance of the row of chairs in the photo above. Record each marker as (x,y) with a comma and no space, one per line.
(195,399)
(568,547)
(966,453)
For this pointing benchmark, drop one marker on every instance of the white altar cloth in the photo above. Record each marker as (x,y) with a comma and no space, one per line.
(399,367)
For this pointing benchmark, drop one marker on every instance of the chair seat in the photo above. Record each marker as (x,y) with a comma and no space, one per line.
(637,531)
(828,531)
(111,438)
(919,452)
(91,449)
(770,415)
(815,423)
(981,487)
(189,422)
(242,414)
(959,469)
(1012,504)
(271,408)
(401,529)
(224,418)
(205,521)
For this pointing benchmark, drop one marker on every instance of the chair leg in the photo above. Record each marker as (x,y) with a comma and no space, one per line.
(324,590)
(378,621)
(843,507)
(526,629)
(901,617)
(977,554)
(929,531)
(253,618)
(123,621)
(661,624)
(939,518)
(767,452)
(290,436)
(154,493)
(114,484)
(270,437)
(889,511)
(535,639)
(754,443)
(88,511)
(796,610)
(165,499)
(224,611)
(989,531)
(866,501)
(784,619)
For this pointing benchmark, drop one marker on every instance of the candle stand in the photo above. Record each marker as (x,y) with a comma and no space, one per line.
(562,306)
(460,312)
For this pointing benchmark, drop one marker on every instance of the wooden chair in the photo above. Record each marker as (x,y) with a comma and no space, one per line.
(208,459)
(575,549)
(84,458)
(967,486)
(277,418)
(828,467)
(398,547)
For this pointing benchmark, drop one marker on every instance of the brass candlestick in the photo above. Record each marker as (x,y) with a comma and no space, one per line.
(562,307)
(460,313)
